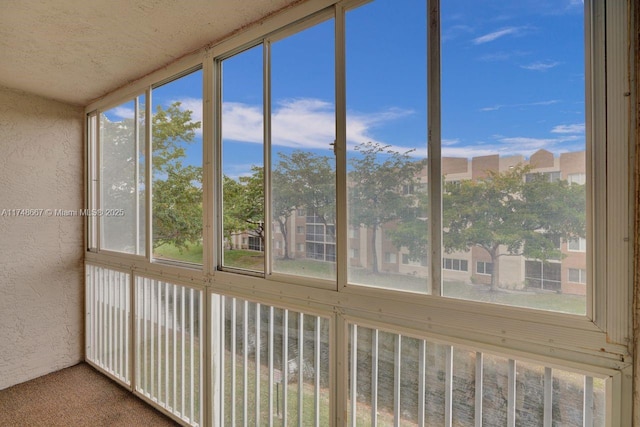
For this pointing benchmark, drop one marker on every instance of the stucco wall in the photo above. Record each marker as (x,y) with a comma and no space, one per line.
(41,279)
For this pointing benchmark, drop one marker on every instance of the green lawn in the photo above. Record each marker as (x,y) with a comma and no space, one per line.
(254,261)
(193,253)
(248,260)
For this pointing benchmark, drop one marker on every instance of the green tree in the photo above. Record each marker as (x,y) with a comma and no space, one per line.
(177,188)
(303,180)
(512,213)
(376,184)
(243,202)
(411,229)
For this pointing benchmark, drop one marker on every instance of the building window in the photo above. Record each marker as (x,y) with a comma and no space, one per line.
(483,267)
(577,245)
(354,232)
(454,264)
(255,243)
(577,178)
(543,275)
(390,257)
(546,176)
(578,275)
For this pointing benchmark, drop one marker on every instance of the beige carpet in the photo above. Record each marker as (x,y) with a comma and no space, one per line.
(76,396)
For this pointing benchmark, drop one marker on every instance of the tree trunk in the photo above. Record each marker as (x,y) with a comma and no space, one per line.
(283,230)
(495,274)
(374,251)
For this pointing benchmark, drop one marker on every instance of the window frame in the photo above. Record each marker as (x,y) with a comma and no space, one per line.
(598,341)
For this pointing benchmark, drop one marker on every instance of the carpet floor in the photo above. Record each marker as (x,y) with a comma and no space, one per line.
(76,396)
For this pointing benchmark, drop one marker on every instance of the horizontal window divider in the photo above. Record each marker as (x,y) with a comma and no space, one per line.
(180,276)
(308,282)
(550,356)
(467,306)
(561,342)
(519,329)
(441,315)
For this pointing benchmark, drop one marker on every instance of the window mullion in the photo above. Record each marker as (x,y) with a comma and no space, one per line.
(340,149)
(266,88)
(434,146)
(136,179)
(148,172)
(210,146)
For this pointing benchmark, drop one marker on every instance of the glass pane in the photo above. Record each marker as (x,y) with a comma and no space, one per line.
(122,178)
(177,170)
(387,144)
(303,164)
(513,147)
(242,160)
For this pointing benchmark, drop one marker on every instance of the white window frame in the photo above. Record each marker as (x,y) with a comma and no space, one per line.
(582,273)
(597,342)
(581,244)
(484,267)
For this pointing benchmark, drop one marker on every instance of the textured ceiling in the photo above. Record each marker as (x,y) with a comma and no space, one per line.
(78,50)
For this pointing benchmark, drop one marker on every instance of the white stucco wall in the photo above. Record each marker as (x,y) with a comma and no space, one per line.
(41,279)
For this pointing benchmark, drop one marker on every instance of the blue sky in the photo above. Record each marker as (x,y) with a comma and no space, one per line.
(512,83)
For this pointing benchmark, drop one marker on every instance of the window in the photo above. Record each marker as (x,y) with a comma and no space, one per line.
(483,267)
(455,264)
(577,178)
(302,162)
(390,257)
(577,245)
(122,171)
(578,275)
(507,141)
(177,169)
(322,173)
(544,176)
(543,275)
(241,134)
(386,137)
(354,232)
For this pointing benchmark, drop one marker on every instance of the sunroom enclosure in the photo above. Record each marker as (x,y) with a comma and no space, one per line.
(292,226)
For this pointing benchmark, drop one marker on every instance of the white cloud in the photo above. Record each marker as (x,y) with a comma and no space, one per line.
(122,112)
(527,104)
(574,128)
(242,122)
(496,35)
(302,123)
(540,66)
